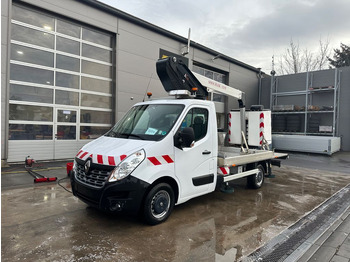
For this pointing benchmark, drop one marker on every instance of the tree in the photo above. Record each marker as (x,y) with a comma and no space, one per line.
(291,60)
(341,56)
(295,60)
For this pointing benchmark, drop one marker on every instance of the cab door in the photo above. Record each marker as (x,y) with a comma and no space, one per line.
(194,166)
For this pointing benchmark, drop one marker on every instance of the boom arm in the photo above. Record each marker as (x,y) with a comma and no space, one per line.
(218,87)
(175,75)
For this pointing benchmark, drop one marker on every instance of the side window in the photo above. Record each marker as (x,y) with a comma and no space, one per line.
(197,118)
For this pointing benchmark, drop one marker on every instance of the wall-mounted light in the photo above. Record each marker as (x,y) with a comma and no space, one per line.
(20,52)
(216,57)
(47,27)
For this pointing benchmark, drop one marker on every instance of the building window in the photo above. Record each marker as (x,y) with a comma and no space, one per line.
(58,66)
(30,132)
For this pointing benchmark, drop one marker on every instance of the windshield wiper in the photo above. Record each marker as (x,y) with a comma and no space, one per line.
(128,135)
(136,136)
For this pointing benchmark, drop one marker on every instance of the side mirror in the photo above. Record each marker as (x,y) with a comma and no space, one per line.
(184,138)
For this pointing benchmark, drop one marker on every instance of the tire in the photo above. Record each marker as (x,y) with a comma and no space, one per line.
(257,180)
(158,204)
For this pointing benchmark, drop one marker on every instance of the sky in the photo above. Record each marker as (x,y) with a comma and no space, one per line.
(251,31)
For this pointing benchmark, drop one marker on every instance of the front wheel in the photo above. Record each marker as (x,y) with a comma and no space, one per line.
(256,181)
(159,204)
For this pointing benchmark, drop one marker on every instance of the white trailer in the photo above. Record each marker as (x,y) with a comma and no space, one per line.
(164,152)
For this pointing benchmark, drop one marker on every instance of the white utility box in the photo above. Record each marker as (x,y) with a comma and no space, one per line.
(258,126)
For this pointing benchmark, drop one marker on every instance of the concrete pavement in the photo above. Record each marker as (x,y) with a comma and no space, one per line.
(42,222)
(323,233)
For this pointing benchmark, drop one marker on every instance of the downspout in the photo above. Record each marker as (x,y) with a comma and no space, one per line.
(259,86)
(5,136)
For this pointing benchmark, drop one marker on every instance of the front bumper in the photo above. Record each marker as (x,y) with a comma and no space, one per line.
(125,195)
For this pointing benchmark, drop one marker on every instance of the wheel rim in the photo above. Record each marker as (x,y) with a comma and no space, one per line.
(160,204)
(259,177)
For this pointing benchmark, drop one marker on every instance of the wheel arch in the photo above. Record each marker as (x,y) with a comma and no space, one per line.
(168,180)
(256,164)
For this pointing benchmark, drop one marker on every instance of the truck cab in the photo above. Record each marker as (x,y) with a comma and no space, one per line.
(149,147)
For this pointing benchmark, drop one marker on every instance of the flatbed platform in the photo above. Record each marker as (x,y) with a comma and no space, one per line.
(232,156)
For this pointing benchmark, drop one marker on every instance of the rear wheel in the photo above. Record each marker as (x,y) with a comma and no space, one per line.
(159,204)
(256,181)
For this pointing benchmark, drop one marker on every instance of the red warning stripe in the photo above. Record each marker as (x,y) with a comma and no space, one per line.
(168,159)
(84,154)
(100,159)
(223,170)
(111,161)
(154,161)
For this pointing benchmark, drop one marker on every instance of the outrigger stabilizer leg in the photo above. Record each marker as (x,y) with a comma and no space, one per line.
(226,188)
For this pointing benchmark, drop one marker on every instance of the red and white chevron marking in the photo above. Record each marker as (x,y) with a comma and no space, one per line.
(261,127)
(160,160)
(229,129)
(83,155)
(101,159)
(224,171)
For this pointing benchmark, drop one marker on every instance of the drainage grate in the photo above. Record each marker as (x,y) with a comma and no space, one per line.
(283,245)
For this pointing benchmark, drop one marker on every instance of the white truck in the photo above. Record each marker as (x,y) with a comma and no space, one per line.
(165,152)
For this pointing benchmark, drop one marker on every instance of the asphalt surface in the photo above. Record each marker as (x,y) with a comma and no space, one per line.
(44,222)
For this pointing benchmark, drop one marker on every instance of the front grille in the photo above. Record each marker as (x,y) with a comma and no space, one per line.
(95,177)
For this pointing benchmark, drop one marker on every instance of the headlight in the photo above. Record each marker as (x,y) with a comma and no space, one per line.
(127,166)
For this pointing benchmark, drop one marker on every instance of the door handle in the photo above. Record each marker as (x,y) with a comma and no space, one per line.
(206,152)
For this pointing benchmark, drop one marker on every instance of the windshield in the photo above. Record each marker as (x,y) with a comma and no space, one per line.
(147,122)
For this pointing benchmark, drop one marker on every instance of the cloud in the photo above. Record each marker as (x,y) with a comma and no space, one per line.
(250,31)
(296,20)
(303,21)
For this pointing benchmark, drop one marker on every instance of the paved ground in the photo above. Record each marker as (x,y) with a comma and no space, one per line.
(338,162)
(43,222)
(333,245)
(302,240)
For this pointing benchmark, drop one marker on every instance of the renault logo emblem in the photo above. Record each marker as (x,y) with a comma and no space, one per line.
(87,166)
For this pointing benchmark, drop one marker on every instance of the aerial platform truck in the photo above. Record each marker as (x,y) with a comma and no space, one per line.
(164,152)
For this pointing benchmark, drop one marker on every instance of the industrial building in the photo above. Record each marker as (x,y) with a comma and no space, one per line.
(72,68)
